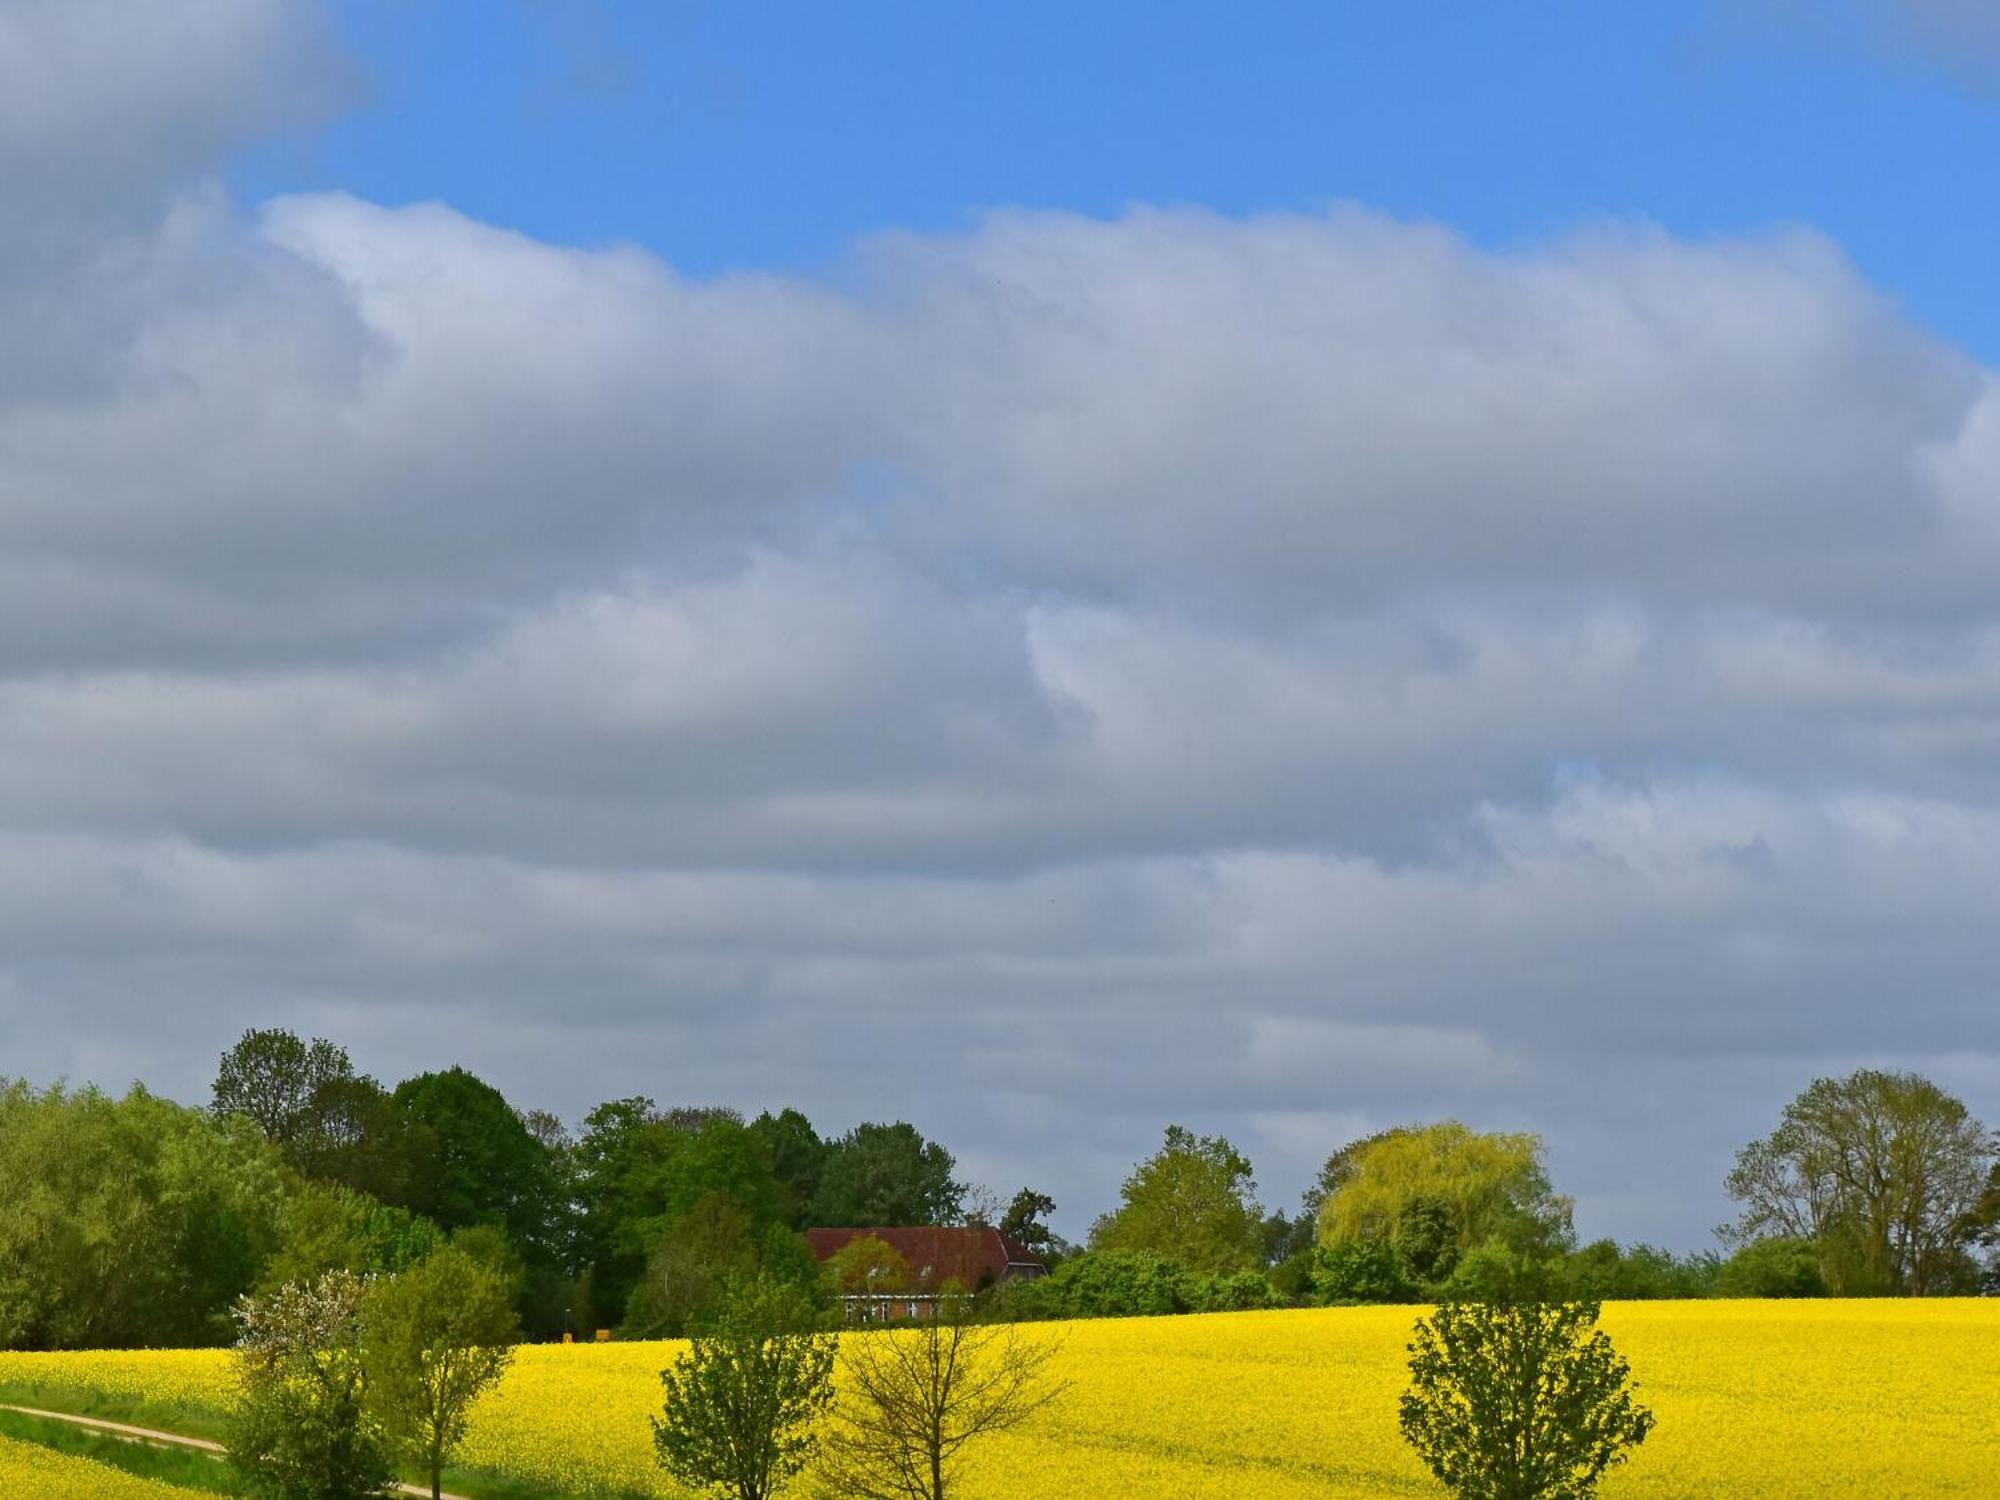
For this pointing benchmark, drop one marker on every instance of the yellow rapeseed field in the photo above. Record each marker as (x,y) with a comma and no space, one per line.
(1782,1399)
(28,1471)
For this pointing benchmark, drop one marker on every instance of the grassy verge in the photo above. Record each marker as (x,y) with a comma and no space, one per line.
(175,1417)
(177,1466)
(198,1422)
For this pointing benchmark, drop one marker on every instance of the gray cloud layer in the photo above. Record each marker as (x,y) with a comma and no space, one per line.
(1289,675)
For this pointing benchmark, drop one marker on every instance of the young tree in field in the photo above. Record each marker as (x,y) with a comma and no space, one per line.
(303,1430)
(1192,1201)
(1519,1400)
(1882,1171)
(742,1402)
(913,1398)
(433,1338)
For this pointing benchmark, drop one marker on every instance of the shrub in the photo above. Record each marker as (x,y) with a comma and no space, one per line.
(1292,1277)
(1241,1291)
(1601,1271)
(1776,1267)
(1362,1271)
(1109,1284)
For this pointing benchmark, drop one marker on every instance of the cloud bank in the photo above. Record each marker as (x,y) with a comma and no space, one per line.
(1289,675)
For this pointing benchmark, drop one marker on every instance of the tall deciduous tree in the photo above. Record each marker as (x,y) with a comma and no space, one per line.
(868,1267)
(433,1338)
(1194,1202)
(461,1157)
(332,1228)
(673,1202)
(305,1097)
(701,1252)
(743,1401)
(797,1154)
(1883,1171)
(886,1175)
(1519,1400)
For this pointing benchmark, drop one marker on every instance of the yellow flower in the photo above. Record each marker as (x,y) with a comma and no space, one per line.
(26,1469)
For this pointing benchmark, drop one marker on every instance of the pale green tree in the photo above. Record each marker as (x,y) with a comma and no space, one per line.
(1460,1187)
(434,1337)
(128,1222)
(1192,1201)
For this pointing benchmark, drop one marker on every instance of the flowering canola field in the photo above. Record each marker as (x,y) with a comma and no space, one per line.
(28,1470)
(1782,1399)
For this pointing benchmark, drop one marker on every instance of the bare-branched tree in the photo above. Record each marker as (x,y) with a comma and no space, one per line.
(913,1398)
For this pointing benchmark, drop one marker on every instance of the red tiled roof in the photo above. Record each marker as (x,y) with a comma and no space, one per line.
(971,1257)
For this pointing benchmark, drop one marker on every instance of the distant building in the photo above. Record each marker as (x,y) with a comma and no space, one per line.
(971,1259)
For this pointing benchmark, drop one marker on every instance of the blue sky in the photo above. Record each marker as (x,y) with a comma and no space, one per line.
(773,135)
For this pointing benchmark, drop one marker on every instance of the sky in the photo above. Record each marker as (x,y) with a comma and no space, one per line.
(1046,572)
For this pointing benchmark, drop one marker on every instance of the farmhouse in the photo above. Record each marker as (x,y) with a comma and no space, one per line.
(969,1259)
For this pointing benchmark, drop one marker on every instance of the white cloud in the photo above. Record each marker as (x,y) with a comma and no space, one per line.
(1290,675)
(101,97)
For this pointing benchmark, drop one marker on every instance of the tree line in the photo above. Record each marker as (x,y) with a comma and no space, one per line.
(135,1221)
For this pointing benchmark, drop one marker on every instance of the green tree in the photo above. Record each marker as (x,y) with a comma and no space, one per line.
(742,1402)
(1426,1238)
(433,1338)
(128,1222)
(1193,1201)
(913,1399)
(1026,1222)
(1882,1171)
(455,1152)
(886,1176)
(327,1227)
(1446,1189)
(1519,1400)
(461,1156)
(305,1097)
(1602,1271)
(1361,1271)
(658,1197)
(797,1154)
(713,1243)
(615,1192)
(303,1430)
